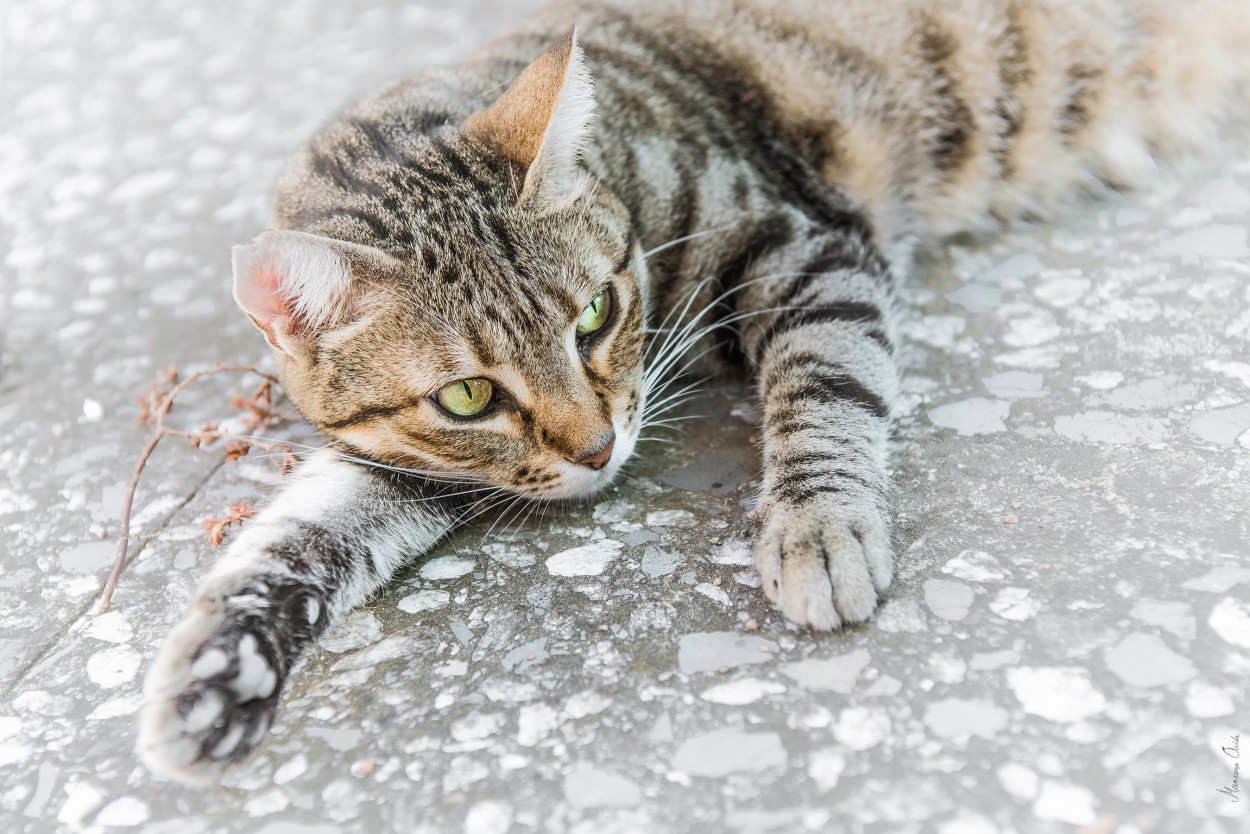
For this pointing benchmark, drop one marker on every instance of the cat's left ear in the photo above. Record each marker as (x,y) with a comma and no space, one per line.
(297,287)
(541,123)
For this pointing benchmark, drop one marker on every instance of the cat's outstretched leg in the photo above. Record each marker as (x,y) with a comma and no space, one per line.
(333,536)
(821,341)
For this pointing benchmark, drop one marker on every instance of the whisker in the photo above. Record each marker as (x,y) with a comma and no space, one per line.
(671,421)
(667,440)
(676,241)
(669,403)
(502,515)
(430,474)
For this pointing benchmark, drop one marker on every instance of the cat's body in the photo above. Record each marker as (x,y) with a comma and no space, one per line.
(445,232)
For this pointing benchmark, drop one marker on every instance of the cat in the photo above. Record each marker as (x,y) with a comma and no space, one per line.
(462,268)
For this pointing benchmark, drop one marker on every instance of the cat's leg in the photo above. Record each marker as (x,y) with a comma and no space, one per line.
(820,337)
(331,538)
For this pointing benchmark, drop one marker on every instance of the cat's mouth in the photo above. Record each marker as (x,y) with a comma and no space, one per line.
(578,481)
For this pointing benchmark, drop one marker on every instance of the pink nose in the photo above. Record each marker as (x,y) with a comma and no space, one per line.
(596,460)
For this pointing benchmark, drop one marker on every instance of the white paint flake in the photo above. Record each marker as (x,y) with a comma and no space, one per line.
(587,560)
(1176,617)
(1204,700)
(111,627)
(1015,385)
(1063,694)
(957,718)
(949,600)
(1060,802)
(1101,380)
(1111,427)
(1015,604)
(860,728)
(834,674)
(1231,620)
(424,601)
(123,812)
(711,651)
(973,416)
(586,786)
(670,518)
(1222,426)
(1019,781)
(448,567)
(712,592)
(112,667)
(1145,660)
(741,692)
(974,566)
(730,751)
(825,767)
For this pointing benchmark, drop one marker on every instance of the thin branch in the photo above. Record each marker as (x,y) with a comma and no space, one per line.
(154,412)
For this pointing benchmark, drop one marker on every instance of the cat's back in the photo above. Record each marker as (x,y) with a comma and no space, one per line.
(939,115)
(945,115)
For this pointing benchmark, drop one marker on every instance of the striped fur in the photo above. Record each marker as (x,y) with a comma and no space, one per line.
(794,153)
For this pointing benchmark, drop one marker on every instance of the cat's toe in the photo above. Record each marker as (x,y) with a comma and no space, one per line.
(824,566)
(208,700)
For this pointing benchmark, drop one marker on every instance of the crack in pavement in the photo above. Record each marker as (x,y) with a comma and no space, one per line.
(160,526)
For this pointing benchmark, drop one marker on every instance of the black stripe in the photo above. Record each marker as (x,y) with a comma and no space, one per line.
(836,391)
(372,412)
(798,497)
(620,265)
(731,112)
(843,311)
(424,122)
(801,486)
(1013,72)
(504,237)
(793,423)
(327,165)
(823,382)
(789,461)
(953,123)
(375,224)
(378,141)
(416,177)
(1076,113)
(461,168)
(773,232)
(837,255)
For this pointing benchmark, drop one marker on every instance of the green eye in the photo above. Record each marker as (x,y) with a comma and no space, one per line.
(595,316)
(466,397)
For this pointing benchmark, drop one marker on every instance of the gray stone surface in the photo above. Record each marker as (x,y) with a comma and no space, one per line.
(1067,645)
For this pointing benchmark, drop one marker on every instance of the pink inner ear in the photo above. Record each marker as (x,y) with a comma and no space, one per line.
(260,295)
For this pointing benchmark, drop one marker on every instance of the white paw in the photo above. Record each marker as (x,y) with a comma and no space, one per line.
(824,563)
(210,697)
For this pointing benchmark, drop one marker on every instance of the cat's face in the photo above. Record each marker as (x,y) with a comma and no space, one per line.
(498,337)
(525,373)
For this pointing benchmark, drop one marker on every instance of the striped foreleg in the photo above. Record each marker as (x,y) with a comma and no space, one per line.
(822,345)
(336,533)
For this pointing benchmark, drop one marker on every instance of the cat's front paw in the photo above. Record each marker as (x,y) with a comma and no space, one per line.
(824,563)
(209,698)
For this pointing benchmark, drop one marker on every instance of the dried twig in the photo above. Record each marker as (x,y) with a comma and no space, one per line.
(216,527)
(154,404)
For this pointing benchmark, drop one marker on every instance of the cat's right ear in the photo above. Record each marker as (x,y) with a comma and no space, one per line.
(296,286)
(540,124)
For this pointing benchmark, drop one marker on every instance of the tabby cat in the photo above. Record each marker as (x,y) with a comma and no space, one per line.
(463,268)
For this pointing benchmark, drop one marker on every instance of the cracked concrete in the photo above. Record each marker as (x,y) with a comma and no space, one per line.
(1067,646)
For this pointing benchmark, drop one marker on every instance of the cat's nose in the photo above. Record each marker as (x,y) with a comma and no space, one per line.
(596,460)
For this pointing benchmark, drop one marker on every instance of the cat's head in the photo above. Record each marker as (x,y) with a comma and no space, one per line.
(465,302)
